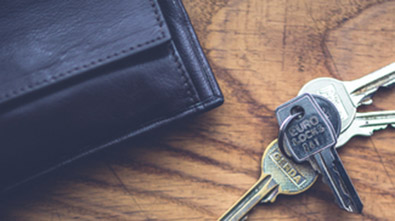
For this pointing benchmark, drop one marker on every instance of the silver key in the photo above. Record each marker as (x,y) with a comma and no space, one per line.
(364,124)
(348,95)
(310,136)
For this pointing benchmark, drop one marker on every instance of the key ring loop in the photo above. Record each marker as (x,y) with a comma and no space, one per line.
(282,129)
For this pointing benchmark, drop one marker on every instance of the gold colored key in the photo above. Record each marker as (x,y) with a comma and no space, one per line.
(280,175)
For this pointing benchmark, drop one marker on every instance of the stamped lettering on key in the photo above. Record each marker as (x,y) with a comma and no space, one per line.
(311,133)
(330,93)
(306,133)
(280,175)
(287,167)
(310,136)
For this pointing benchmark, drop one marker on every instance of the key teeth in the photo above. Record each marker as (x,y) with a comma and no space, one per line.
(351,206)
(336,200)
(379,128)
(368,131)
(348,206)
(347,201)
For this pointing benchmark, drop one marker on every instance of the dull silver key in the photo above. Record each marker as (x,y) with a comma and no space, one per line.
(348,95)
(286,176)
(364,124)
(309,136)
(280,175)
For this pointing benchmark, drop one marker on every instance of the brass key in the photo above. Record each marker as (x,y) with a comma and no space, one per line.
(280,175)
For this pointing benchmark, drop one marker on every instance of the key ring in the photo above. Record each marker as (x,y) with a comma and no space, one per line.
(282,129)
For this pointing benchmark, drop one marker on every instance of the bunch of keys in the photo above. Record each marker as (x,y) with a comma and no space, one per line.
(281,175)
(310,136)
(347,96)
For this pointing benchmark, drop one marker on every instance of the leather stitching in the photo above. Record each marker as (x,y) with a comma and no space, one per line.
(55,77)
(181,70)
(196,46)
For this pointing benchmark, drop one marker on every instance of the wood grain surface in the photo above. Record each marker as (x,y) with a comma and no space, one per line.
(262,52)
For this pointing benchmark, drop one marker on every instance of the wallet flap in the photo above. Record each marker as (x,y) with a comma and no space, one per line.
(100,105)
(44,42)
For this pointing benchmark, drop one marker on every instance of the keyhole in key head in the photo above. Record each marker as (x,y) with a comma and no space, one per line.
(297,110)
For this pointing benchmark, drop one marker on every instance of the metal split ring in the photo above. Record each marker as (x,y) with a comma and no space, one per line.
(283,128)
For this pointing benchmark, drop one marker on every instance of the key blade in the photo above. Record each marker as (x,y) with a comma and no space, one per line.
(361,89)
(365,124)
(335,175)
(253,196)
(376,118)
(312,137)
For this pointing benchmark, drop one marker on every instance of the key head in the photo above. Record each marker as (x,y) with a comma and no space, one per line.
(308,134)
(335,91)
(293,178)
(330,111)
(279,175)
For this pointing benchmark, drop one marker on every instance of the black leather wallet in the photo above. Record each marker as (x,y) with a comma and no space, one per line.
(79,76)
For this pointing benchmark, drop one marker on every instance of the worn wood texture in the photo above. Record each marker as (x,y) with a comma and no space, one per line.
(262,52)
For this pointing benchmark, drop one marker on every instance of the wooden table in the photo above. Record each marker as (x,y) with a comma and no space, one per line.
(262,52)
